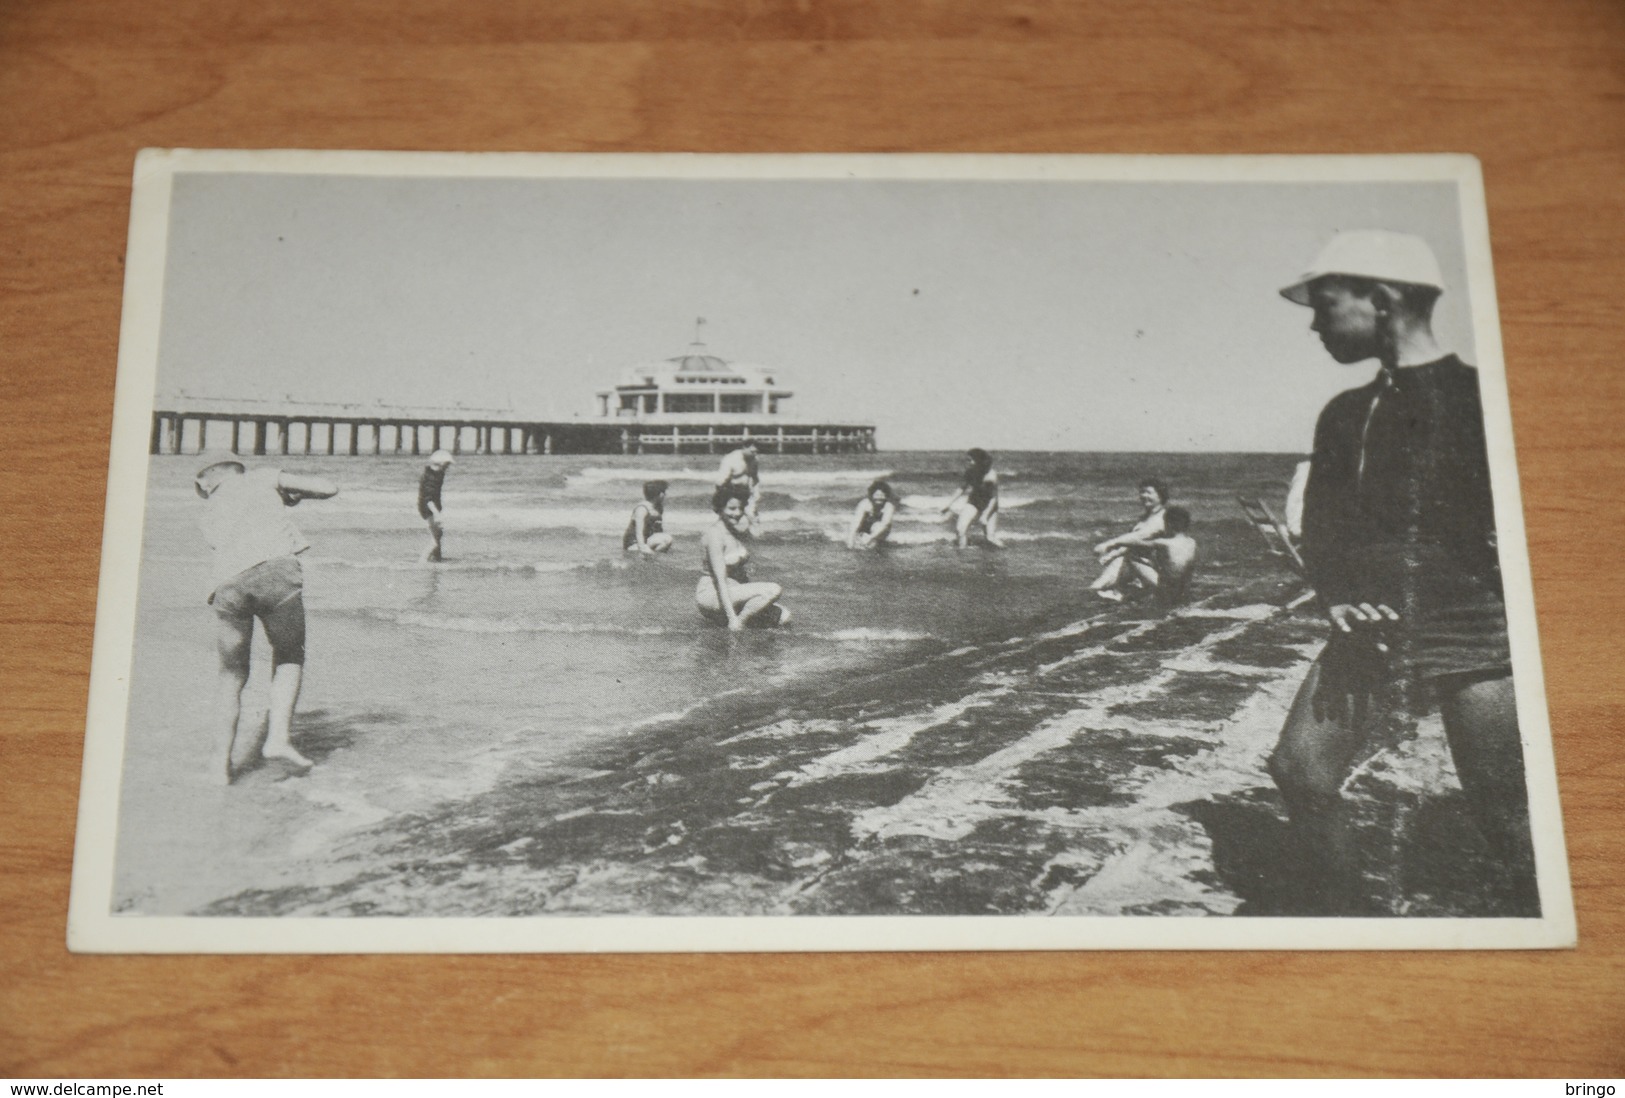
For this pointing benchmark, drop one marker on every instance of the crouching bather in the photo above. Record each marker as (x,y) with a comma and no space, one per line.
(645,531)
(725,595)
(872,520)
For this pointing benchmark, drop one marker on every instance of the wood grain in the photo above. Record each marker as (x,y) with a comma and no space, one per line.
(1537,91)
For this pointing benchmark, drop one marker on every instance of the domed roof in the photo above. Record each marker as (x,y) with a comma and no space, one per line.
(706,364)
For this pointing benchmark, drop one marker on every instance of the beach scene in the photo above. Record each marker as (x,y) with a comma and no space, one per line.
(1047,668)
(543,724)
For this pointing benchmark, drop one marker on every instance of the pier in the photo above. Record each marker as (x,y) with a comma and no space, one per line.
(260,433)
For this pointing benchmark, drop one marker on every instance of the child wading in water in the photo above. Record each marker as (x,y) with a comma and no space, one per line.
(429,508)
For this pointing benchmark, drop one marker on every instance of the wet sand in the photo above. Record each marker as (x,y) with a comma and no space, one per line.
(1112,767)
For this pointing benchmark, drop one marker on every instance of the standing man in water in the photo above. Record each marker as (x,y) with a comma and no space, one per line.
(1399,537)
(429,485)
(739,471)
(255,548)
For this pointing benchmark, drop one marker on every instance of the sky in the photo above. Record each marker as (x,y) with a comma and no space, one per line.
(1030,315)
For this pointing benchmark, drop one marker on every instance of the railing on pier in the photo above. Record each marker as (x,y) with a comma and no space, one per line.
(259,434)
(776,439)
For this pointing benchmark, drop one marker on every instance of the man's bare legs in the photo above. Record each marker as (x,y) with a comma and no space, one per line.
(233,639)
(990,526)
(285,629)
(1481,723)
(968,517)
(437,531)
(1315,756)
(285,682)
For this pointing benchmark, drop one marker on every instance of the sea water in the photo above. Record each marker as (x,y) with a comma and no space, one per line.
(539,635)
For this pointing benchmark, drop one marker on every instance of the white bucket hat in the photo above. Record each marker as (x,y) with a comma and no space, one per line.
(440,459)
(1371,253)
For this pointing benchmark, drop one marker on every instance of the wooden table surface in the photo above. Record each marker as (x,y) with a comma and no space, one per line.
(1536,88)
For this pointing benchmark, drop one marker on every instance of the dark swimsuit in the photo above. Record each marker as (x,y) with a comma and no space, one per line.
(652,525)
(870,517)
(980,492)
(429,489)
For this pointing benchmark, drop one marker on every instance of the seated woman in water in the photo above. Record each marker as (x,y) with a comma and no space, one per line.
(725,595)
(1121,553)
(871,522)
(977,499)
(644,532)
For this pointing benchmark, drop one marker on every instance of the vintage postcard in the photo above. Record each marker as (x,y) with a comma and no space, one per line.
(657,552)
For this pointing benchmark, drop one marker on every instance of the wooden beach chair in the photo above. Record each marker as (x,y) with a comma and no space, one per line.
(1280,542)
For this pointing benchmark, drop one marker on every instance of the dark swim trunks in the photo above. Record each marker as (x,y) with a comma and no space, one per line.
(1452,621)
(1428,656)
(272,591)
(1467,640)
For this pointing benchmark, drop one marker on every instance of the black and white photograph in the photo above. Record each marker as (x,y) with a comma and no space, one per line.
(534,552)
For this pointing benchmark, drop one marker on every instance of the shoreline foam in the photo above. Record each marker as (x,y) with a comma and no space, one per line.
(1112,767)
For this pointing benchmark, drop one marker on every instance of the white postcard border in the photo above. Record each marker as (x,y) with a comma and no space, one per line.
(92,927)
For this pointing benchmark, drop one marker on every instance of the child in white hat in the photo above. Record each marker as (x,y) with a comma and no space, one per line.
(1400,542)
